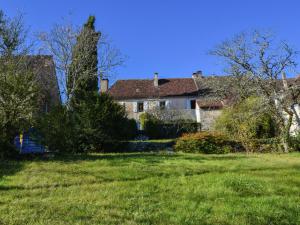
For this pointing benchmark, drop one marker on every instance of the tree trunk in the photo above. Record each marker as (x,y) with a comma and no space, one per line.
(285,145)
(286,134)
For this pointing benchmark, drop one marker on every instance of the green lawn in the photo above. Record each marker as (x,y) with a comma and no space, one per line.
(152,189)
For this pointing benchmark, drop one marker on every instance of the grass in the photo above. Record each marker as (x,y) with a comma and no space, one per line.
(150,188)
(155,140)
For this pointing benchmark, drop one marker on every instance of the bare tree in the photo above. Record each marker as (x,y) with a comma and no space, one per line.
(109,57)
(60,42)
(258,65)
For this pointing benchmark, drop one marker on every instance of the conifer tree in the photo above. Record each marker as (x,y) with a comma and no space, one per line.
(82,77)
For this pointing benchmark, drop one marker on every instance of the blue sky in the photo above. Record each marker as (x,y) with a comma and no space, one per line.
(171,37)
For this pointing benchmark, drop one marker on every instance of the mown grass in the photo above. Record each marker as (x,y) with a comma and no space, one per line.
(150,188)
(155,140)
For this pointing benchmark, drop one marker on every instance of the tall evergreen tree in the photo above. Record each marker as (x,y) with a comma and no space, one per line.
(82,77)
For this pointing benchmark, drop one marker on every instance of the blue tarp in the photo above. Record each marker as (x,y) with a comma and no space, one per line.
(30,144)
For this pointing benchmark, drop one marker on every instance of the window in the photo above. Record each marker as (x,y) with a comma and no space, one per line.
(193,104)
(162,104)
(140,106)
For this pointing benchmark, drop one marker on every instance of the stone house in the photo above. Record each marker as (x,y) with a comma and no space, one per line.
(179,97)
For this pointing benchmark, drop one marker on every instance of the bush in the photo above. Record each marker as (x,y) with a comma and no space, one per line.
(248,123)
(58,130)
(295,142)
(18,98)
(205,142)
(151,126)
(130,130)
(262,145)
(101,119)
(7,150)
(155,128)
(247,120)
(88,127)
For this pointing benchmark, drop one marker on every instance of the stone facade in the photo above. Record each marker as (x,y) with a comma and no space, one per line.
(208,118)
(205,116)
(180,98)
(180,107)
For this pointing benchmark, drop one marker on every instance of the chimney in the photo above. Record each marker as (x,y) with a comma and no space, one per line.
(197,74)
(155,80)
(103,85)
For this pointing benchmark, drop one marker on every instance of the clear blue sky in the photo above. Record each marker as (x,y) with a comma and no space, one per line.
(171,37)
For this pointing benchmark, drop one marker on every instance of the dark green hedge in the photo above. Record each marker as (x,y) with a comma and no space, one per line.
(135,146)
(155,128)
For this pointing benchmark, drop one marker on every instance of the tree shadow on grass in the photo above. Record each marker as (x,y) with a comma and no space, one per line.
(138,157)
(117,157)
(102,180)
(9,168)
(155,157)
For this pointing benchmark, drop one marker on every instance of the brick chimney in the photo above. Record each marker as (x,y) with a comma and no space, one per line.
(155,80)
(103,85)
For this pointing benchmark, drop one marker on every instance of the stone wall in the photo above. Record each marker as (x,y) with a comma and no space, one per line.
(177,103)
(208,118)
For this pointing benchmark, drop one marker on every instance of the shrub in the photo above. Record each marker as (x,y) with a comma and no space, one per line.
(205,142)
(58,130)
(174,129)
(7,150)
(247,122)
(18,101)
(130,130)
(151,126)
(155,128)
(295,142)
(88,127)
(262,145)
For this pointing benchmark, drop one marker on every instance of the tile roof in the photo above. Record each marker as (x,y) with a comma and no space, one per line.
(210,103)
(137,89)
(207,87)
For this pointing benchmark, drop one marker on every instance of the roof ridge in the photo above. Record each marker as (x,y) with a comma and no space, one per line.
(172,78)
